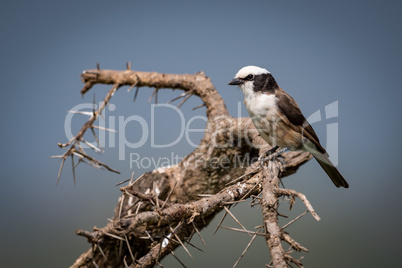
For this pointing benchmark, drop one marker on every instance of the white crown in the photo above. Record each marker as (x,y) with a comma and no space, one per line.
(254,70)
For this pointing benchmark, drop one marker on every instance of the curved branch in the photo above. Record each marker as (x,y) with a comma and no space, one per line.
(198,84)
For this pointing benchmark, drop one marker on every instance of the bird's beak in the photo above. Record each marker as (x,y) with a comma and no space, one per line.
(235,81)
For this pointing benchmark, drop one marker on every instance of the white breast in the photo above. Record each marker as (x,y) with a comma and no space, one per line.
(259,104)
(263,111)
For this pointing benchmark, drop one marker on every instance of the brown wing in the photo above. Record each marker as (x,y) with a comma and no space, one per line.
(288,106)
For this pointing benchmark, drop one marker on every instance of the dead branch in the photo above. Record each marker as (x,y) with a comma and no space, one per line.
(168,199)
(270,203)
(75,142)
(198,84)
(270,215)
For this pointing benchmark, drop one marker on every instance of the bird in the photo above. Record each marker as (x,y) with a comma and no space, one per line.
(279,120)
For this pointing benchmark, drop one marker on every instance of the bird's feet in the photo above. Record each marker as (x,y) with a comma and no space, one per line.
(271,155)
(267,153)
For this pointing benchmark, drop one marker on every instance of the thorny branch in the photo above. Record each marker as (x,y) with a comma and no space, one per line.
(163,209)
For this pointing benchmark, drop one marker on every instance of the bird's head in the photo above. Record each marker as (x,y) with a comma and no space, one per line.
(252,79)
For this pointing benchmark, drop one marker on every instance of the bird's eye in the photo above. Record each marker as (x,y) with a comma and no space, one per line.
(249,77)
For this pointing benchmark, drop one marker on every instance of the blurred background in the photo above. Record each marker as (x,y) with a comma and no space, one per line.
(345,51)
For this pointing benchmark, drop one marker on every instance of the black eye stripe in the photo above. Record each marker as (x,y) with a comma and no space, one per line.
(248,77)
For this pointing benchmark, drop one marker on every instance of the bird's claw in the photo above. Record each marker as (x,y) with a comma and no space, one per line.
(272,155)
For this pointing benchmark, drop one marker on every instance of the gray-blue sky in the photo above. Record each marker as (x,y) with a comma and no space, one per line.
(319,52)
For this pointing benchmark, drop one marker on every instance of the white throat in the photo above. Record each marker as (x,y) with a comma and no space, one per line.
(247,89)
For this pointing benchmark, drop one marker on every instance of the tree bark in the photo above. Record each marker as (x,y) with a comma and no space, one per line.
(165,207)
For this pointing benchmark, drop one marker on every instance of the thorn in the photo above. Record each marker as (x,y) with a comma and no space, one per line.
(93,107)
(132,177)
(103,128)
(238,222)
(93,161)
(120,248)
(114,236)
(72,162)
(199,106)
(242,231)
(233,202)
(96,149)
(156,95)
(221,221)
(102,116)
(101,251)
(119,183)
(167,198)
(184,100)
(295,219)
(132,86)
(245,250)
(96,139)
(80,112)
(136,93)
(128,64)
(199,234)
(182,264)
(129,248)
(149,236)
(61,168)
(179,97)
(138,207)
(249,192)
(97,66)
(178,238)
(121,204)
(152,95)
(194,246)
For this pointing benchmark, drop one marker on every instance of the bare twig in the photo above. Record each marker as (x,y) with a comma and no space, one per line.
(79,137)
(302,197)
(293,243)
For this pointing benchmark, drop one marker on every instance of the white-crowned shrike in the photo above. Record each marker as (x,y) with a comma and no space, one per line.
(278,118)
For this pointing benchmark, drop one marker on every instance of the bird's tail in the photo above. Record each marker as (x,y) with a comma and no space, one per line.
(330,169)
